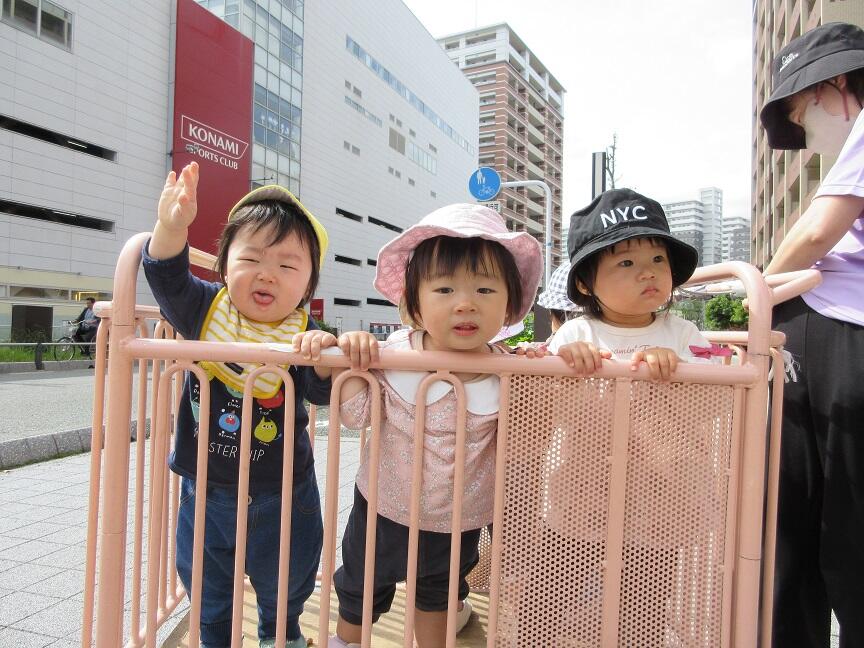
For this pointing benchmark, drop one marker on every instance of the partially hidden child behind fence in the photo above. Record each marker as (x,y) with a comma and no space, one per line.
(624,265)
(458,276)
(269,258)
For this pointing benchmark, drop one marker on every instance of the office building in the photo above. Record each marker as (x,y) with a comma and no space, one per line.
(736,239)
(358,111)
(699,223)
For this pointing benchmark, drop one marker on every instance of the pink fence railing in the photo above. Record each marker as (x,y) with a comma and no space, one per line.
(626,512)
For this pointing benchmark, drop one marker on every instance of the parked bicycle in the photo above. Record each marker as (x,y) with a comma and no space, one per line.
(64,347)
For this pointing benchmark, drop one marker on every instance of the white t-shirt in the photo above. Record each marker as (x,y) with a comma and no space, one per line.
(667,331)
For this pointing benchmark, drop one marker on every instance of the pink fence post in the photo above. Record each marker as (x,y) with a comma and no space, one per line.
(96,438)
(112,538)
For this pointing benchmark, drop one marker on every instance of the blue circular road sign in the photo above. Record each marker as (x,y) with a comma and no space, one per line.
(484,183)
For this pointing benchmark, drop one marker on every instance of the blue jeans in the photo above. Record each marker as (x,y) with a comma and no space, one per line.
(262,555)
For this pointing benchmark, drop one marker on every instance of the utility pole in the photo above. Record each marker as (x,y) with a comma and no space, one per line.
(610,161)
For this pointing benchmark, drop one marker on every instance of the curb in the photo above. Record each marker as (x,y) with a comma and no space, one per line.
(43,447)
(49,365)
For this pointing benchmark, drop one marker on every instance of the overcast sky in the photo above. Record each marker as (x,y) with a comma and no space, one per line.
(671,77)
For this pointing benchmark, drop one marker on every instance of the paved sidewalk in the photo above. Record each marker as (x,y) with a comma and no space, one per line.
(43,534)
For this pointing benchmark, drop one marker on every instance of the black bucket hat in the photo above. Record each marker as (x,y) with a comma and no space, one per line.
(615,216)
(819,55)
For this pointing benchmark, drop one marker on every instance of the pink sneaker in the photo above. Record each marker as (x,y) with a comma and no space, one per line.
(336,642)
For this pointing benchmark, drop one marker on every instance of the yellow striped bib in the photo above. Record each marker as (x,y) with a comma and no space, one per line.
(224,323)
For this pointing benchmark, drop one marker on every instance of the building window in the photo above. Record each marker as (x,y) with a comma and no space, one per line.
(433,194)
(372,301)
(360,109)
(52,137)
(340,301)
(397,173)
(397,141)
(349,215)
(348,85)
(355,150)
(346,146)
(385,224)
(422,158)
(277,126)
(411,181)
(348,260)
(50,215)
(358,92)
(412,133)
(45,20)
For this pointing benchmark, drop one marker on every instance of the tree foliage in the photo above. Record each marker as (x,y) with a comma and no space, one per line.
(725,313)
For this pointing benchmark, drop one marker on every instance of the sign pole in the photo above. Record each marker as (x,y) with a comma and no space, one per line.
(485,183)
(547,253)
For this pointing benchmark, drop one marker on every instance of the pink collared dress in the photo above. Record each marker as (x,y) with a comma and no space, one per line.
(398,391)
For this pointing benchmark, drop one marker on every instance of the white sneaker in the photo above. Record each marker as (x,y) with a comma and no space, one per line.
(463,616)
(336,642)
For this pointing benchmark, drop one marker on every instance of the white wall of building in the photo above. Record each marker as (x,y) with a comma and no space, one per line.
(109,90)
(112,90)
(359,179)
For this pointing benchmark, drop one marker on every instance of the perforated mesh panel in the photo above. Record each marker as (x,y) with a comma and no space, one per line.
(478,579)
(675,521)
(556,518)
(557,487)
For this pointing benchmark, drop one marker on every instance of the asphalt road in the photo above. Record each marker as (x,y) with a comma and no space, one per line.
(47,402)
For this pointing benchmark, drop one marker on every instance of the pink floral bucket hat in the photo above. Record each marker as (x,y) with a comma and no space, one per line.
(461,220)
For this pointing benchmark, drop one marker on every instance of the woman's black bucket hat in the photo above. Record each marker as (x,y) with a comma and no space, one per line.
(819,55)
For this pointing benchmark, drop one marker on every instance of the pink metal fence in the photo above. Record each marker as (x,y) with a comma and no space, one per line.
(624,509)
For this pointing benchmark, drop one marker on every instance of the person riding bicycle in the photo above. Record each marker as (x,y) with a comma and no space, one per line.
(88,324)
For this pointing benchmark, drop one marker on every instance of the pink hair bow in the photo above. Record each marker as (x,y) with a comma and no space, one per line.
(707,352)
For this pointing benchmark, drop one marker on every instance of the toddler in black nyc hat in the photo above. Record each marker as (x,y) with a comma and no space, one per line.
(624,265)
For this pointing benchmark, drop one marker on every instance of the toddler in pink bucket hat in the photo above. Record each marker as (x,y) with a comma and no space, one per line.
(461,220)
(458,277)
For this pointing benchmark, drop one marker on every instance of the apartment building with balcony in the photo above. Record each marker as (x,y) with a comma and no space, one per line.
(784,182)
(521,123)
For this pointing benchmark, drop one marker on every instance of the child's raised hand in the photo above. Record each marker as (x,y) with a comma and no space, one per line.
(583,357)
(661,362)
(309,343)
(178,203)
(361,347)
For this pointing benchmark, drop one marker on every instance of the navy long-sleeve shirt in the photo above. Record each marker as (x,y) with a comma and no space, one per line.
(184,300)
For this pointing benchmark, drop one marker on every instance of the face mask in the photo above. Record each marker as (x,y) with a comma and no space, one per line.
(823,132)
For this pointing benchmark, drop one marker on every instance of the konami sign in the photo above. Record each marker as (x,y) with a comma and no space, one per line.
(212,121)
(212,144)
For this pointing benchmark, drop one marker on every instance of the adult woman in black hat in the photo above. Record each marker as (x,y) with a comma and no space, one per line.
(817,104)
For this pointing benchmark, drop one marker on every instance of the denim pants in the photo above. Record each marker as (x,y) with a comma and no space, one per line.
(262,555)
